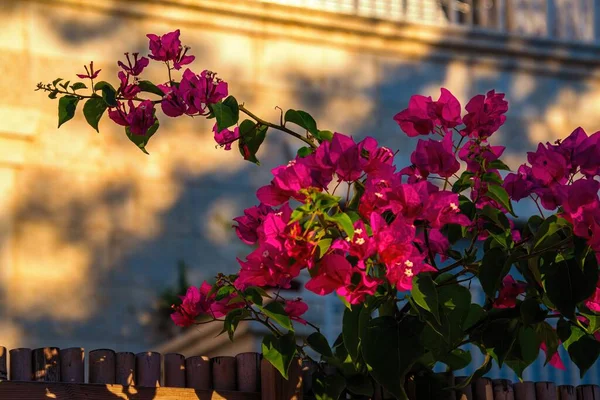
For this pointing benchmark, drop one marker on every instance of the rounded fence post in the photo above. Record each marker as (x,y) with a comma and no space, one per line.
(465,393)
(174,370)
(102,366)
(147,369)
(125,369)
(198,373)
(21,368)
(524,391)
(71,365)
(46,364)
(248,372)
(567,392)
(3,370)
(588,392)
(309,367)
(224,373)
(546,391)
(275,387)
(483,389)
(503,389)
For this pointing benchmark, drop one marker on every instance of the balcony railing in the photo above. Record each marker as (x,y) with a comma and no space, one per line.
(565,20)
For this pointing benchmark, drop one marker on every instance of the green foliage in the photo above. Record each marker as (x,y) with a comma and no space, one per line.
(109,94)
(147,86)
(66,108)
(276,312)
(252,135)
(226,112)
(93,109)
(280,351)
(303,120)
(142,140)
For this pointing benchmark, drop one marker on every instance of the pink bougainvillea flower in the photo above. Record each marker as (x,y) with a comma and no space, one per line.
(586,153)
(521,184)
(345,156)
(267,266)
(296,308)
(507,298)
(125,89)
(555,360)
(485,114)
(418,118)
(139,119)
(360,286)
(436,157)
(89,73)
(360,246)
(447,109)
(287,182)
(182,58)
(593,303)
(438,243)
(402,271)
(474,154)
(333,273)
(442,209)
(247,225)
(197,301)
(200,90)
(378,158)
(226,137)
(165,47)
(173,103)
(135,67)
(548,165)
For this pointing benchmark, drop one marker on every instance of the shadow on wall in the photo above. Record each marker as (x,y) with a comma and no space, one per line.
(99,226)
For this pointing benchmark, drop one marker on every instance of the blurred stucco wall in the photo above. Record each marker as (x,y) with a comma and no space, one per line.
(91,228)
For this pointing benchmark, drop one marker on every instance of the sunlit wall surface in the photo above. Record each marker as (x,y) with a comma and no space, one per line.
(92,228)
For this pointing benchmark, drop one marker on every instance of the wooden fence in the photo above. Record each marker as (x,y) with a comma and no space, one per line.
(52,373)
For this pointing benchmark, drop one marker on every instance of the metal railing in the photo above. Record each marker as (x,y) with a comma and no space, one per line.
(565,20)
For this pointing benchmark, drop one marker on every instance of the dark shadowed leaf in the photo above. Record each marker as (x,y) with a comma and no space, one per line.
(280,351)
(93,109)
(66,108)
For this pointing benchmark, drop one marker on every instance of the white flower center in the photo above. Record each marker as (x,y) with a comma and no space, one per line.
(358,231)
(266,253)
(454,206)
(379,195)
(360,241)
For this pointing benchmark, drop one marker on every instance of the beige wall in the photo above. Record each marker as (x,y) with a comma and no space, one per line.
(92,228)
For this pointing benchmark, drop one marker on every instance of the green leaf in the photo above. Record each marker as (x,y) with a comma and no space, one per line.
(224,292)
(493,269)
(255,295)
(499,195)
(425,294)
(52,95)
(325,135)
(147,86)
(302,119)
(464,182)
(584,352)
(324,246)
(142,140)
(305,151)
(546,334)
(524,352)
(490,177)
(93,109)
(360,385)
(78,85)
(498,164)
(328,387)
(226,112)
(252,136)
(66,108)
(65,84)
(318,343)
(55,82)
(456,359)
(276,312)
(548,232)
(475,314)
(350,331)
(343,221)
(479,372)
(566,284)
(109,94)
(499,336)
(531,313)
(232,319)
(280,351)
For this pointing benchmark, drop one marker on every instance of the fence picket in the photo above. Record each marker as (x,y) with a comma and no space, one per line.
(102,366)
(71,365)
(198,373)
(524,391)
(20,365)
(125,369)
(275,387)
(483,389)
(248,372)
(3,370)
(46,365)
(174,370)
(465,393)
(224,373)
(566,392)
(588,392)
(546,391)
(147,369)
